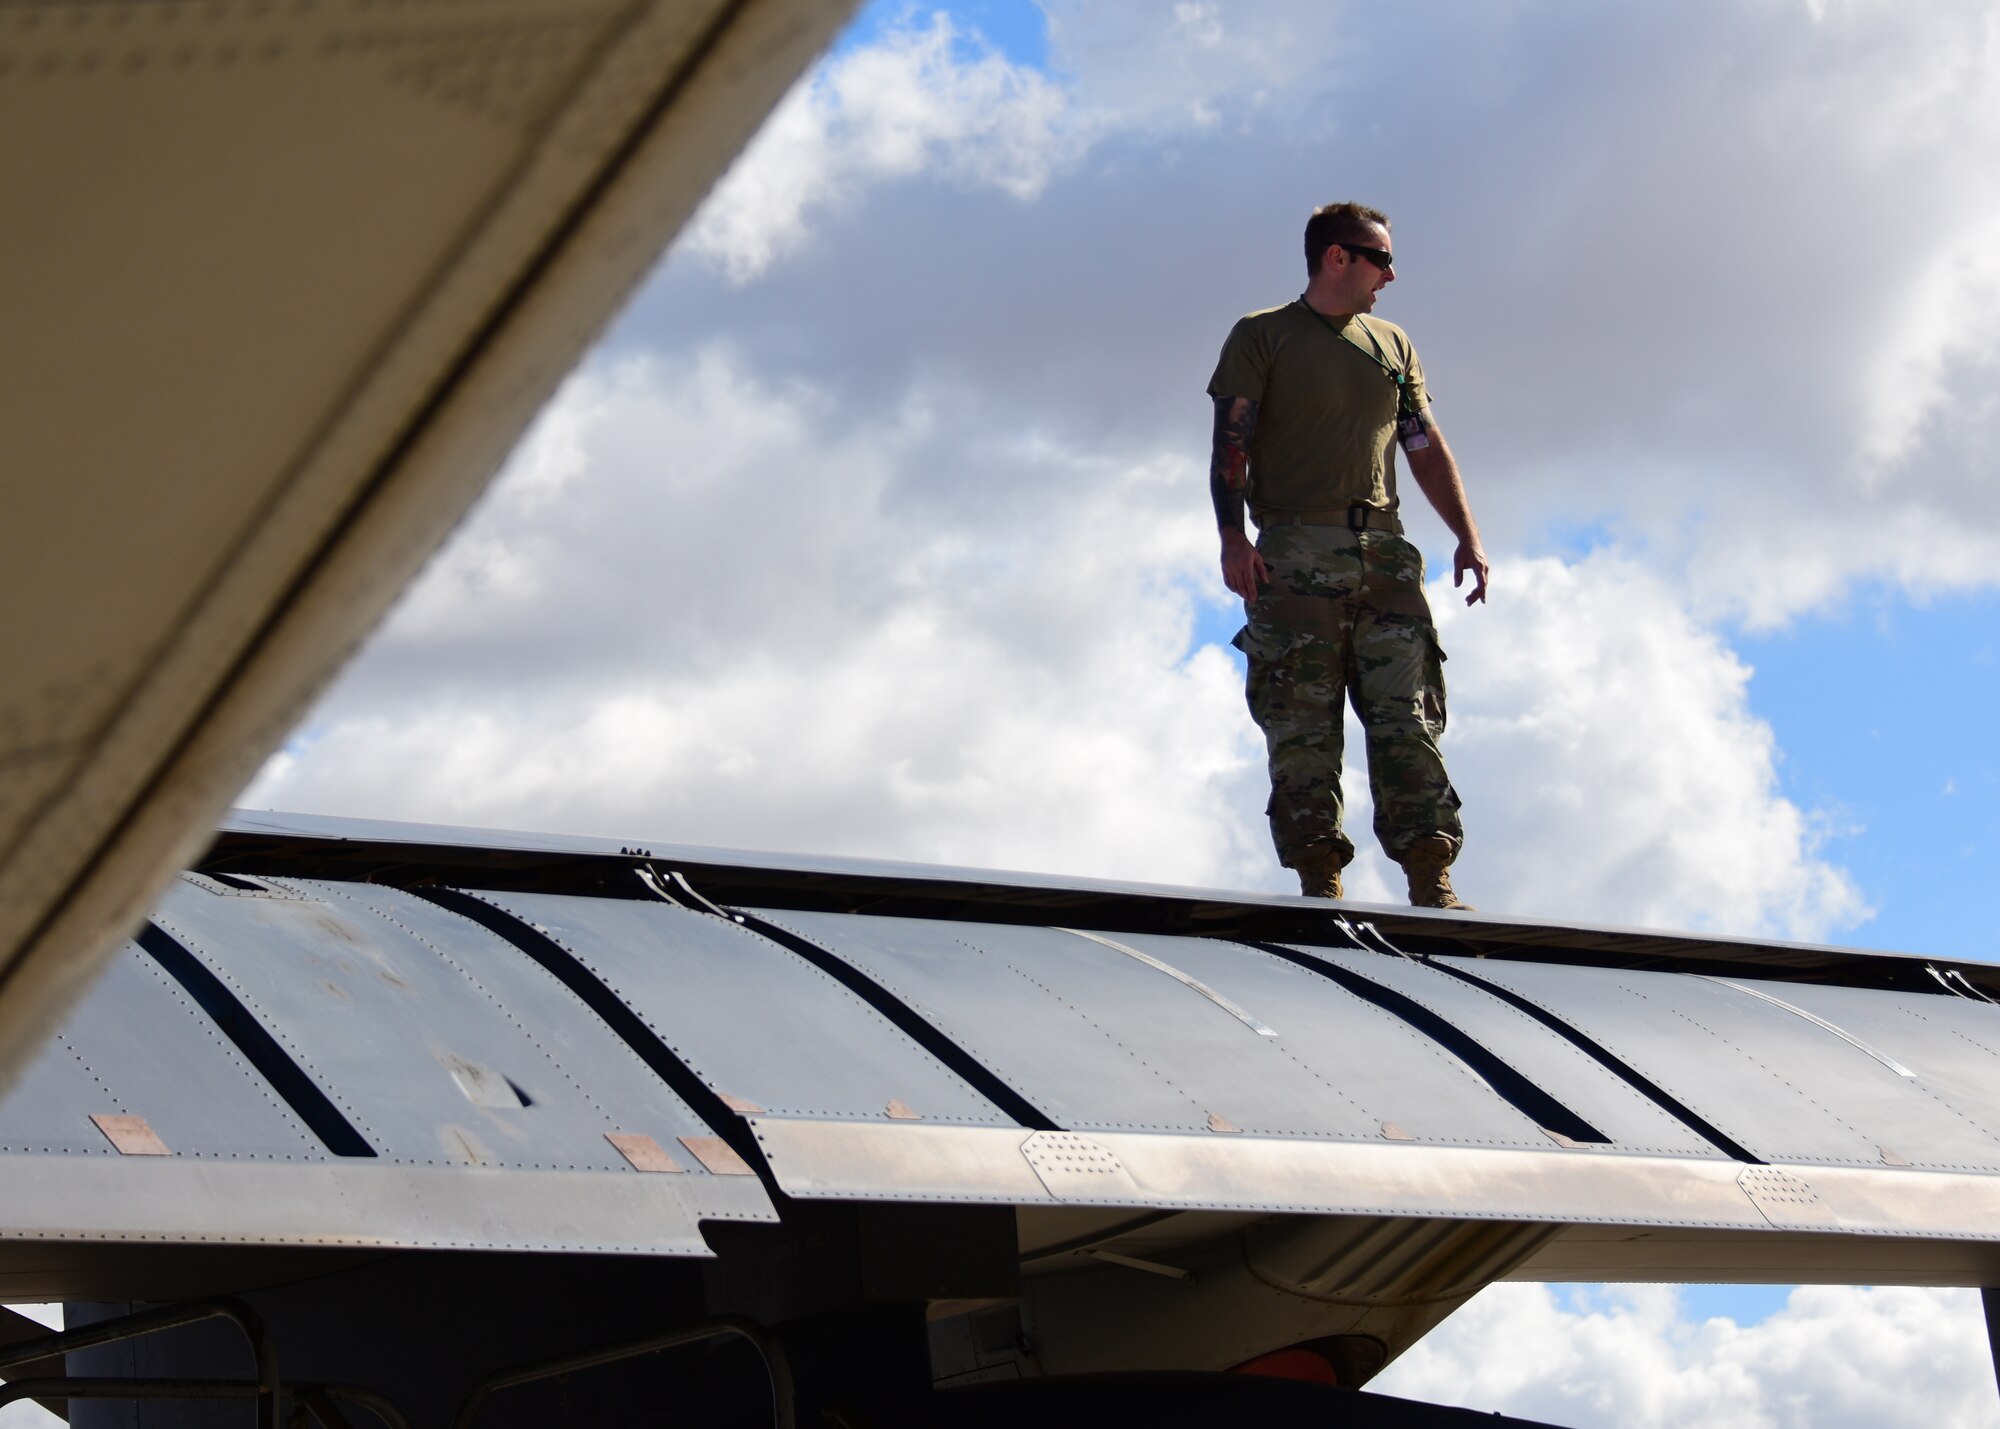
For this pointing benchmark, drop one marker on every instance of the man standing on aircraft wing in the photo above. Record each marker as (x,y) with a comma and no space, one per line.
(1311,400)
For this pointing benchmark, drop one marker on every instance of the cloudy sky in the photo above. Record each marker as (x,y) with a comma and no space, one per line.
(877,525)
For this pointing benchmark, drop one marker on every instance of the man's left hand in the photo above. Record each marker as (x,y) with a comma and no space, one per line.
(1437,473)
(1470,558)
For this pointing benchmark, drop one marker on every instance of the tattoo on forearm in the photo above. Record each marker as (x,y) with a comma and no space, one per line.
(1229,459)
(1229,453)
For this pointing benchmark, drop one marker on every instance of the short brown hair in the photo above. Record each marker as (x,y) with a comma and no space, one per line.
(1338,223)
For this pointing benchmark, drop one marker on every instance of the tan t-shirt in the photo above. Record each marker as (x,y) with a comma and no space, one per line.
(1326,411)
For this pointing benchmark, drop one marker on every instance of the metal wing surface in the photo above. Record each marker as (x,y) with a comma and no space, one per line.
(374,1001)
(1086,1126)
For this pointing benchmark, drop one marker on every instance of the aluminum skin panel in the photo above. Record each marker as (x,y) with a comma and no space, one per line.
(1102,1041)
(1951,1045)
(1779,1084)
(1633,1121)
(137,1045)
(754,1021)
(49,1106)
(243,1169)
(441,1043)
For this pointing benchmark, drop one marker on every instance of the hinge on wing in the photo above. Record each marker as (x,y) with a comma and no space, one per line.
(1355,929)
(672,887)
(1957,984)
(1966,983)
(650,877)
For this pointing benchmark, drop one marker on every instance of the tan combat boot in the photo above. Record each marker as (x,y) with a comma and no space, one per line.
(1430,886)
(1318,869)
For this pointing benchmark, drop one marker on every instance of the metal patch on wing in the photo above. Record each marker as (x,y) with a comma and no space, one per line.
(716,1154)
(1570,1143)
(1260,1028)
(130,1135)
(644,1153)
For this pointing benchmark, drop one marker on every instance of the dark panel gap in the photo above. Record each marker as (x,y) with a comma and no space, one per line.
(962,1063)
(1673,1105)
(626,1024)
(293,1085)
(1513,1087)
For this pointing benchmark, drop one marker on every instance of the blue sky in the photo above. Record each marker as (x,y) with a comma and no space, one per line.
(1884,711)
(1016,28)
(877,525)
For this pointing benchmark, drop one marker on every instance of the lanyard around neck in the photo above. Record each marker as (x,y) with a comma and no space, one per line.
(1404,405)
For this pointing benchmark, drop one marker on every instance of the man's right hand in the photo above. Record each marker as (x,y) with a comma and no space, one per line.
(1243,569)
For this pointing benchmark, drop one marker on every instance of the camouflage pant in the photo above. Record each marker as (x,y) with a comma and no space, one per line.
(1344,617)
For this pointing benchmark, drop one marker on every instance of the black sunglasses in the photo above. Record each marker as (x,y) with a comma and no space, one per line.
(1381,257)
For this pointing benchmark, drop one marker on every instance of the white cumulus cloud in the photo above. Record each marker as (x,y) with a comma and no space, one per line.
(780,645)
(753,618)
(925,99)
(1836,1357)
(1605,744)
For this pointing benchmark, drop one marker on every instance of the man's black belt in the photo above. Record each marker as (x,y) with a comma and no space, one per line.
(1354,518)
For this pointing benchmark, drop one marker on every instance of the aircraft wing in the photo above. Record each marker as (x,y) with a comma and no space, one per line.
(284,280)
(1149,1128)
